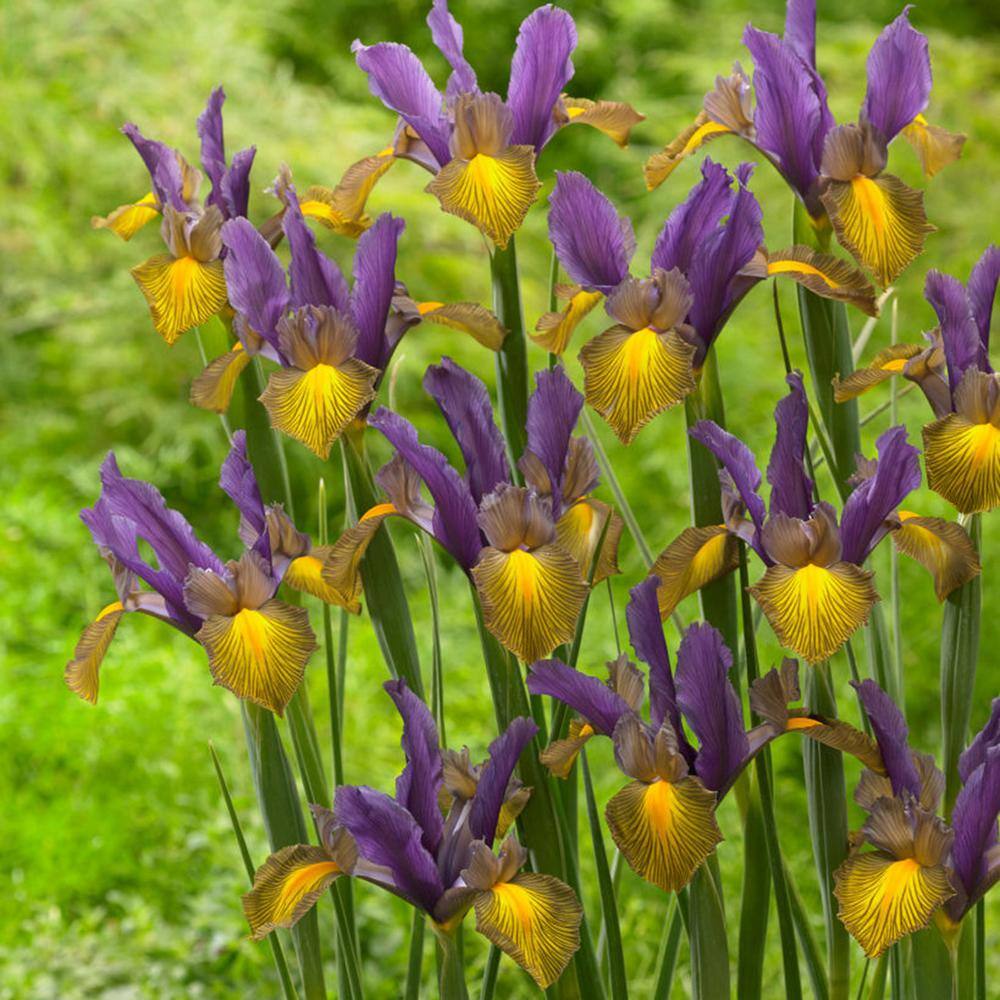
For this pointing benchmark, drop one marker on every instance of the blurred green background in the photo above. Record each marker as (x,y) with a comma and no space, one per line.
(120,874)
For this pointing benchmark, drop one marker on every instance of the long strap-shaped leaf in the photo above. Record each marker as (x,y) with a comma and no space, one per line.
(512,358)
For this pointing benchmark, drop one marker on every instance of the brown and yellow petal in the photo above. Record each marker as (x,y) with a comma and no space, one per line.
(82,672)
(494,193)
(315,406)
(935,146)
(880,221)
(261,654)
(126,220)
(665,829)
(661,165)
(342,561)
(182,292)
(306,574)
(579,530)
(469,317)
(630,377)
(888,362)
(560,755)
(615,119)
(814,609)
(840,735)
(554,330)
(694,559)
(213,388)
(963,462)
(942,547)
(535,919)
(530,600)
(883,899)
(286,887)
(342,208)
(827,276)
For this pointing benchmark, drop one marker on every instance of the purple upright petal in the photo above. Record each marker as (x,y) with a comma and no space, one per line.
(418,786)
(213,148)
(791,487)
(398,79)
(374,285)
(491,788)
(539,72)
(255,279)
(163,166)
(465,402)
(899,77)
(239,483)
(986,738)
(553,410)
(891,734)
(448,37)
(959,330)
(974,820)
(800,29)
(592,241)
(386,834)
(982,292)
(236,184)
(455,515)
(864,522)
(586,695)
(737,459)
(316,280)
(711,706)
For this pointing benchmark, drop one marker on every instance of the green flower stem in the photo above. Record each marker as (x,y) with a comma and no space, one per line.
(512,358)
(707,936)
(415,957)
(810,951)
(666,961)
(451,965)
(931,966)
(756,897)
(490,973)
(980,984)
(959,656)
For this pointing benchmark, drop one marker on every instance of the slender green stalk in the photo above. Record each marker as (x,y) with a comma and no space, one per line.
(754,902)
(666,961)
(490,973)
(334,694)
(895,597)
(512,358)
(284,976)
(931,966)
(877,991)
(415,957)
(707,937)
(980,950)
(810,950)
(451,965)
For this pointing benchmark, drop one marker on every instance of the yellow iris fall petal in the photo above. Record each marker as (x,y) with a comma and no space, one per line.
(579,530)
(126,220)
(469,317)
(661,165)
(935,146)
(342,560)
(306,574)
(342,208)
(182,292)
(888,362)
(213,388)
(963,462)
(82,672)
(554,330)
(694,559)
(942,547)
(825,275)
(614,118)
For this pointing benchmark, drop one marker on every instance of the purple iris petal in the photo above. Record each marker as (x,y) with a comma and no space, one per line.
(863,523)
(800,29)
(986,738)
(539,72)
(163,166)
(255,279)
(592,241)
(448,37)
(959,331)
(553,410)
(737,459)
(418,786)
(899,77)
(791,487)
(788,116)
(491,788)
(398,79)
(239,483)
(974,820)
(316,280)
(455,515)
(982,292)
(891,734)
(236,184)
(710,705)
(465,402)
(386,834)
(374,284)
(588,696)
(213,149)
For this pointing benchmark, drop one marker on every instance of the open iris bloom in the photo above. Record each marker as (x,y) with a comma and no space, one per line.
(708,255)
(257,645)
(920,867)
(962,446)
(480,148)
(837,171)
(332,342)
(663,821)
(185,287)
(441,864)
(528,550)
(815,591)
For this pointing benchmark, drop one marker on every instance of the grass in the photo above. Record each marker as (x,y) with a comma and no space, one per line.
(124,880)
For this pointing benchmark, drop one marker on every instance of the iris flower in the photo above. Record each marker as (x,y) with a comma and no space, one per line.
(257,645)
(962,446)
(185,287)
(919,864)
(443,865)
(708,255)
(481,148)
(663,821)
(527,549)
(332,343)
(837,171)
(815,591)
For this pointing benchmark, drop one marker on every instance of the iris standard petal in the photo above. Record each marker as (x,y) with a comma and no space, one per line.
(987,737)
(737,459)
(448,37)
(374,287)
(315,279)
(553,410)
(963,347)
(645,632)
(255,278)
(942,547)
(974,820)
(791,486)
(586,695)
(891,734)
(165,168)
(982,290)
(491,789)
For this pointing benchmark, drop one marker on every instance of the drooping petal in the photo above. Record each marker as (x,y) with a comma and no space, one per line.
(531,600)
(213,388)
(342,209)
(82,671)
(491,789)
(591,698)
(631,376)
(448,37)
(593,242)
(579,530)
(315,279)
(341,563)
(374,286)
(814,610)
(664,829)
(535,919)
(469,317)
(791,487)
(942,547)
(539,72)
(935,146)
(554,329)
(662,164)
(891,734)
(465,402)
(737,459)
(694,559)
(974,820)
(888,362)
(305,573)
(825,275)
(261,654)
(182,292)
(615,119)
(126,220)
(254,277)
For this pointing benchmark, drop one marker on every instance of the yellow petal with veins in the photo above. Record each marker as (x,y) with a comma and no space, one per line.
(579,530)
(694,559)
(888,362)
(126,220)
(942,547)
(342,560)
(554,330)
(661,165)
(469,317)
(825,275)
(82,672)
(306,574)
(560,755)
(181,292)
(963,462)
(615,119)
(213,388)
(935,146)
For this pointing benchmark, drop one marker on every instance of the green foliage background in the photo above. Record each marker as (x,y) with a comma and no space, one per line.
(120,875)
